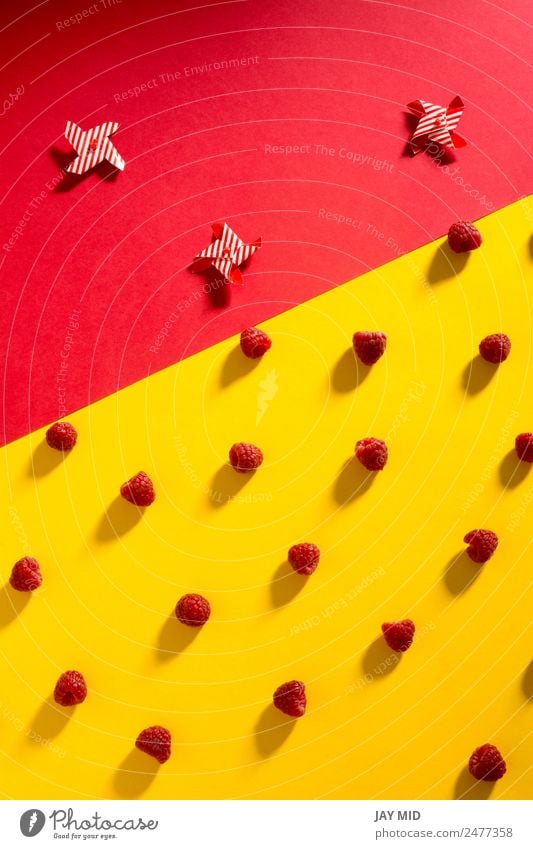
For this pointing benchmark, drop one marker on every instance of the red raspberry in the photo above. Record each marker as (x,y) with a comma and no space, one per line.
(254,342)
(486,763)
(26,575)
(193,609)
(61,436)
(138,490)
(399,635)
(304,557)
(495,348)
(481,545)
(369,346)
(70,689)
(372,453)
(524,447)
(245,457)
(463,236)
(155,741)
(290,698)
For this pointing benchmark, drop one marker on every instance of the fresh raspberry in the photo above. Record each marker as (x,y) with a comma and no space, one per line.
(245,457)
(139,490)
(304,557)
(486,763)
(463,236)
(372,453)
(254,342)
(61,436)
(193,609)
(70,689)
(26,575)
(495,348)
(155,741)
(369,346)
(290,698)
(524,447)
(399,635)
(481,545)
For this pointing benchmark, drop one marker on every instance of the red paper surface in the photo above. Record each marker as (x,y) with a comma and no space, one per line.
(101,263)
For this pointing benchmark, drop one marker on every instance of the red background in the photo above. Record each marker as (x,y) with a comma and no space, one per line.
(117,247)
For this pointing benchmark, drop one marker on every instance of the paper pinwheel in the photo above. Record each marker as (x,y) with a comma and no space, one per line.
(92,147)
(225,253)
(436,124)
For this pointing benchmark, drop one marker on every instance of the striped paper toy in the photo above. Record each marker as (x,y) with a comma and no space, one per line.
(92,147)
(225,253)
(436,124)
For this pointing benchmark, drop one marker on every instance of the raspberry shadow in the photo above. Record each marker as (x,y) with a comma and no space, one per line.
(461,572)
(226,484)
(12,603)
(237,365)
(174,638)
(119,518)
(352,482)
(135,774)
(349,372)
(477,375)
(379,659)
(286,584)
(512,470)
(44,460)
(468,787)
(50,720)
(446,264)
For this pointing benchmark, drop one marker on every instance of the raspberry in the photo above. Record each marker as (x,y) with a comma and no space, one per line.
(369,346)
(399,635)
(304,557)
(193,609)
(155,741)
(61,436)
(481,545)
(26,575)
(254,342)
(495,348)
(463,236)
(138,490)
(372,453)
(245,457)
(290,698)
(486,763)
(524,447)
(70,689)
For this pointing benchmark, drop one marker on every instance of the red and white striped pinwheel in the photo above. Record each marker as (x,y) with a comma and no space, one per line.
(225,253)
(436,124)
(92,147)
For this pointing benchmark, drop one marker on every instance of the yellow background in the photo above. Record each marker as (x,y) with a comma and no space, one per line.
(373,729)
